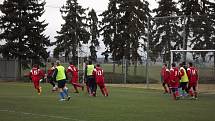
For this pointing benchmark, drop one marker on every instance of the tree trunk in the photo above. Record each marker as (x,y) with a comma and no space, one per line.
(135,68)
(19,68)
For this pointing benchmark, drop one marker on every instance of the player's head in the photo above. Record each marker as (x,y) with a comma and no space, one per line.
(184,63)
(165,65)
(52,63)
(35,65)
(173,64)
(180,65)
(70,63)
(190,64)
(58,62)
(98,65)
(90,62)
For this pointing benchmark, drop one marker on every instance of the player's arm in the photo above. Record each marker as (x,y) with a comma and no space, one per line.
(54,75)
(189,73)
(30,75)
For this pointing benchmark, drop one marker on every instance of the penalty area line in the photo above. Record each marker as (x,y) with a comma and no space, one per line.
(41,115)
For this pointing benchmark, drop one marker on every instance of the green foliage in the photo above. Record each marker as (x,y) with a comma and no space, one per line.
(19,101)
(167,30)
(123,25)
(73,31)
(94,32)
(22,30)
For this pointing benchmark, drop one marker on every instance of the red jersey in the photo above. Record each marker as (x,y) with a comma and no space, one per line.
(36,74)
(50,71)
(98,73)
(192,74)
(165,73)
(73,70)
(174,77)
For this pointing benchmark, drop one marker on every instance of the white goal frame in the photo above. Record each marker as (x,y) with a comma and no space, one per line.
(172,51)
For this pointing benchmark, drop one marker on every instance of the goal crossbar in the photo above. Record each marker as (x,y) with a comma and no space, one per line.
(188,51)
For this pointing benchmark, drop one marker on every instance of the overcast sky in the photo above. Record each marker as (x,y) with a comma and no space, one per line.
(54,19)
(52,14)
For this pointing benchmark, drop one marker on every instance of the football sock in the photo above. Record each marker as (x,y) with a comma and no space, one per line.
(102,90)
(65,91)
(61,95)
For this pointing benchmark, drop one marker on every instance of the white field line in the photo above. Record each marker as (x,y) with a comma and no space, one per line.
(42,115)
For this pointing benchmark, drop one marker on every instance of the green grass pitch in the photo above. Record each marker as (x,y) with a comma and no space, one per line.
(19,102)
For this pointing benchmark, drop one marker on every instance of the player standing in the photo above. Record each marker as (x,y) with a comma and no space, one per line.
(192,74)
(36,74)
(98,74)
(74,80)
(184,79)
(165,78)
(174,81)
(90,81)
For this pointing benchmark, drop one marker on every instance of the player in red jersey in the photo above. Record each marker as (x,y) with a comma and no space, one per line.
(174,81)
(165,78)
(74,80)
(36,74)
(98,74)
(192,74)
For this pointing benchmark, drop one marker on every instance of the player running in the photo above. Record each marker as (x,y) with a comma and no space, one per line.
(174,81)
(98,74)
(74,80)
(35,75)
(49,77)
(60,76)
(192,74)
(165,78)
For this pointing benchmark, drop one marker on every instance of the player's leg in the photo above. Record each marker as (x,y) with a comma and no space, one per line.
(165,88)
(195,91)
(37,86)
(105,90)
(62,91)
(173,93)
(93,86)
(101,88)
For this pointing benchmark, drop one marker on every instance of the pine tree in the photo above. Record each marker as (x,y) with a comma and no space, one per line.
(191,9)
(109,28)
(94,32)
(125,23)
(23,31)
(167,30)
(73,31)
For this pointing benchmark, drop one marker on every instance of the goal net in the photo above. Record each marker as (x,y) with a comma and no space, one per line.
(204,60)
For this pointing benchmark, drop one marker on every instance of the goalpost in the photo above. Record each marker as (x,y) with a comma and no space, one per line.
(205,64)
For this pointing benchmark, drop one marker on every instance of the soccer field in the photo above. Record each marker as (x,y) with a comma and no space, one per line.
(19,102)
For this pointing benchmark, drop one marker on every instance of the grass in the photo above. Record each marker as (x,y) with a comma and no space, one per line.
(19,102)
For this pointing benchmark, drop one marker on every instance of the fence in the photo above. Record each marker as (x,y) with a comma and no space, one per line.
(8,69)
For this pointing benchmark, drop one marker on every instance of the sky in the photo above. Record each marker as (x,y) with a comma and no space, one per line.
(52,15)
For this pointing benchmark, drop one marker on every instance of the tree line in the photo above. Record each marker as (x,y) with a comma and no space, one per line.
(126,26)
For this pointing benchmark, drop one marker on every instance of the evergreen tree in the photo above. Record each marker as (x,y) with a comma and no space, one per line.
(94,32)
(109,23)
(166,35)
(22,31)
(133,26)
(73,31)
(191,9)
(124,25)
